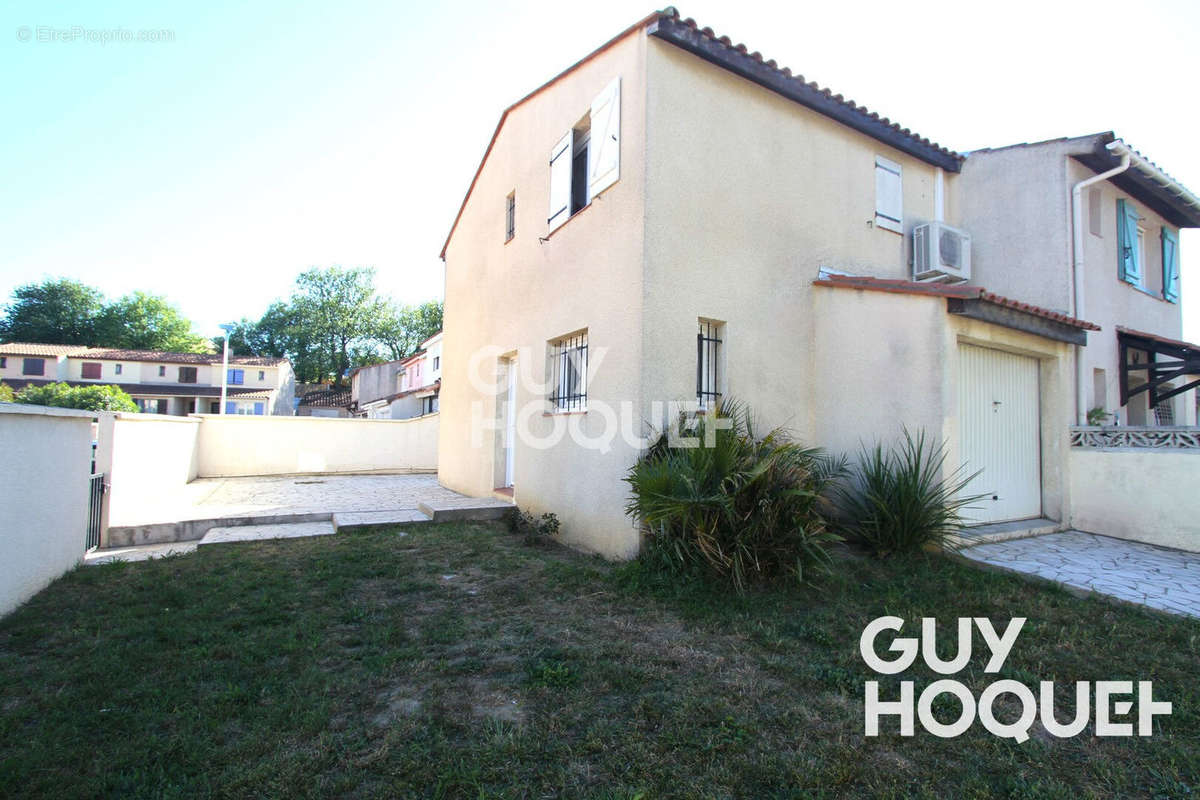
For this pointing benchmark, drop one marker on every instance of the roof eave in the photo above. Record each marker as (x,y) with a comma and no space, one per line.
(1165,196)
(770,77)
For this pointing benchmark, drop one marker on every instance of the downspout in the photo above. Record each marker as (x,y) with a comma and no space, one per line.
(1077,282)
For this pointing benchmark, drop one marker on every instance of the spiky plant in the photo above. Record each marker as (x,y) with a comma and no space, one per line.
(715,498)
(901,498)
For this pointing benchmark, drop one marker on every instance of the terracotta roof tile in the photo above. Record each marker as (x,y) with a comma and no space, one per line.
(33,349)
(959,291)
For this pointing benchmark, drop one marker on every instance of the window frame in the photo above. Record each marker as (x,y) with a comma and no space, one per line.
(162,370)
(883,219)
(566,373)
(709,351)
(235,377)
(117,369)
(510,216)
(3,362)
(94,366)
(25,367)
(191,372)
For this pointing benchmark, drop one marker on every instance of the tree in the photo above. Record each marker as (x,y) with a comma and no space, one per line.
(55,311)
(90,398)
(331,311)
(141,321)
(403,329)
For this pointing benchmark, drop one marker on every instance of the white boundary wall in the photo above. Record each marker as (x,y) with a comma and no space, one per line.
(146,458)
(43,496)
(230,446)
(1146,494)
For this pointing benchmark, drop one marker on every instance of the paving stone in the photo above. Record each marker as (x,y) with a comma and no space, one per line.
(1152,576)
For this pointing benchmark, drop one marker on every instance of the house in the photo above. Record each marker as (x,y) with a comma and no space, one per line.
(400,389)
(158,381)
(675,219)
(324,400)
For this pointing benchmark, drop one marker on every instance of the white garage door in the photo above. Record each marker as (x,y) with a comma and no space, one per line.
(1000,433)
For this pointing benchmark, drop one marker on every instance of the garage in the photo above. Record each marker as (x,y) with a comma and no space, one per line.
(1000,433)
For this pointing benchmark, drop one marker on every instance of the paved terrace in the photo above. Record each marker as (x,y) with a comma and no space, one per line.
(345,500)
(1167,580)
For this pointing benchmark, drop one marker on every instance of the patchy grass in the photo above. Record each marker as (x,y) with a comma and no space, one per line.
(456,662)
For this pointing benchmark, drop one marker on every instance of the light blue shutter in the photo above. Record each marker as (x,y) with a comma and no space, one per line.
(1170,257)
(258,409)
(1127,243)
(230,407)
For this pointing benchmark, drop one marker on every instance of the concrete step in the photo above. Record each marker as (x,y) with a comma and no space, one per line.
(474,509)
(143,552)
(1003,531)
(258,533)
(367,519)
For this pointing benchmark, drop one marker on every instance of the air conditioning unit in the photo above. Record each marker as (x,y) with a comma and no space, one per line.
(941,253)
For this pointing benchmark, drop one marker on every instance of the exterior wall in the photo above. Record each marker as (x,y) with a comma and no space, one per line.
(146,458)
(44,494)
(1136,493)
(375,382)
(433,359)
(54,368)
(230,446)
(748,196)
(1017,207)
(902,370)
(513,298)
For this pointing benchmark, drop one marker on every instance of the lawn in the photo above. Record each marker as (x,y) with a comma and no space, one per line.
(458,661)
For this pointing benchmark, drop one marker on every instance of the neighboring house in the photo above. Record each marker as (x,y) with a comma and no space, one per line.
(159,382)
(400,389)
(675,218)
(324,401)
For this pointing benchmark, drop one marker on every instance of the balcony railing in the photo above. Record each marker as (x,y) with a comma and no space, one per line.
(1161,438)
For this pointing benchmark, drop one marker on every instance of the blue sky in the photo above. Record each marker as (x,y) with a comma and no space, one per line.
(266,138)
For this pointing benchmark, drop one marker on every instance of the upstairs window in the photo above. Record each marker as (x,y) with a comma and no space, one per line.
(437,363)
(3,362)
(236,377)
(262,374)
(587,160)
(1130,243)
(33,366)
(510,217)
(162,371)
(90,370)
(1170,266)
(187,374)
(117,369)
(889,195)
(708,356)
(566,371)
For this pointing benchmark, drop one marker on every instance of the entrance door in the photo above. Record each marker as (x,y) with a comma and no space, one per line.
(510,423)
(1000,433)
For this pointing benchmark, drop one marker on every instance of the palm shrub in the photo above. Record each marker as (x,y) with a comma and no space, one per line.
(733,506)
(899,499)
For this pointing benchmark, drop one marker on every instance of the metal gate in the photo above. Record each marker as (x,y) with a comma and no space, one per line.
(95,510)
(1000,433)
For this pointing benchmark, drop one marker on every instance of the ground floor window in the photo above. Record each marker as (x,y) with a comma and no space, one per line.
(566,372)
(152,405)
(708,357)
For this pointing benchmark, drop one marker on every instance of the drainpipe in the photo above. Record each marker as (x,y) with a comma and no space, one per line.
(1117,148)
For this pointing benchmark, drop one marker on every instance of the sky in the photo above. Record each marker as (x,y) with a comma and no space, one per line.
(253,141)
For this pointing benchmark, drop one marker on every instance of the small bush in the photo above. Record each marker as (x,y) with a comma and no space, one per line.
(899,500)
(734,506)
(534,529)
(89,398)
(6,393)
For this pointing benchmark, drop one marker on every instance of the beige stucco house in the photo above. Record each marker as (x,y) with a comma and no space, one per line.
(159,382)
(675,219)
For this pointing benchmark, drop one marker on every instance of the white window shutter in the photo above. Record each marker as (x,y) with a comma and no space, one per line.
(560,182)
(889,195)
(605,145)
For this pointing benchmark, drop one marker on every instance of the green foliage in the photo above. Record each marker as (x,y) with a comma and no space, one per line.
(402,330)
(732,505)
(1097,416)
(141,321)
(6,394)
(55,311)
(534,529)
(61,311)
(899,500)
(89,398)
